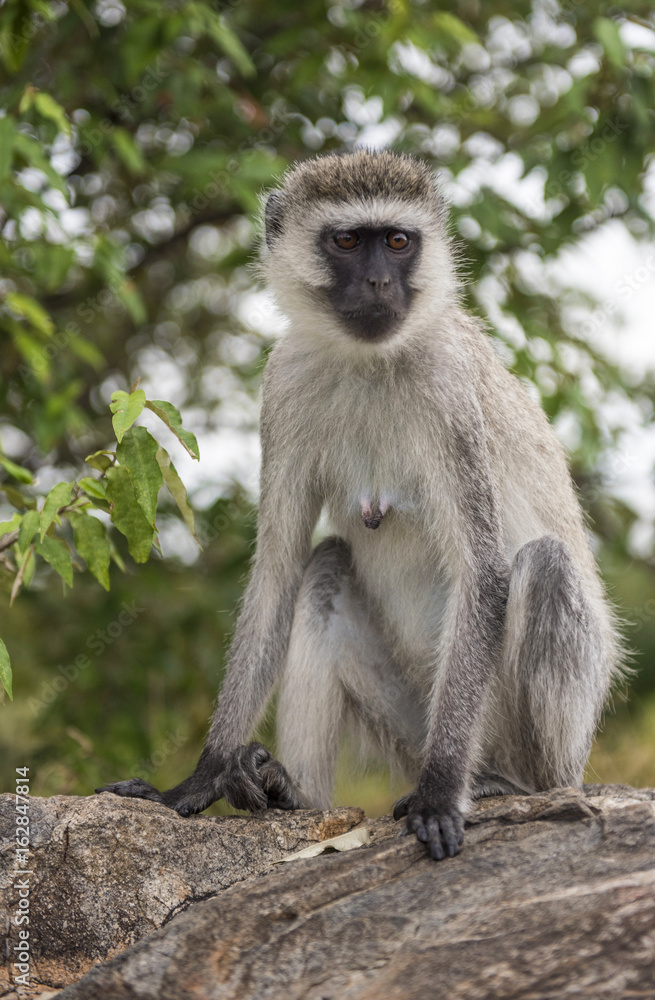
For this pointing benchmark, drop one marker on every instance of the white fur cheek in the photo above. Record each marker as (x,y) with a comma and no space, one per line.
(296,261)
(435,273)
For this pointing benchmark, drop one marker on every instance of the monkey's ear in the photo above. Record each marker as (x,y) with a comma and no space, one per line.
(273,217)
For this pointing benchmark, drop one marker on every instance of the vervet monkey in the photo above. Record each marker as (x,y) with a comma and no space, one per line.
(456,611)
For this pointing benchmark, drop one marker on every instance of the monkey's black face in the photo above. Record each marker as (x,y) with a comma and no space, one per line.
(371,271)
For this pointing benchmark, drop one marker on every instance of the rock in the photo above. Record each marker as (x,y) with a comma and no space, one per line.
(553,896)
(108,871)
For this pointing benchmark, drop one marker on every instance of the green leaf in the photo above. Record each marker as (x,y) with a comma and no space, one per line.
(31,350)
(31,151)
(233,48)
(128,515)
(92,543)
(51,265)
(16,498)
(101,460)
(7,128)
(607,33)
(17,471)
(96,488)
(87,352)
(138,453)
(6,527)
(29,309)
(455,29)
(216,27)
(117,557)
(126,407)
(177,489)
(29,560)
(29,526)
(57,554)
(128,151)
(27,100)
(130,296)
(171,417)
(5,669)
(47,107)
(58,497)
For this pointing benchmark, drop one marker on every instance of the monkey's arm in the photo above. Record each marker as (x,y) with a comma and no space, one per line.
(470,645)
(247,776)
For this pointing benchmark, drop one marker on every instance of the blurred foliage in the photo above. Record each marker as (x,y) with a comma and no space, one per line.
(134,145)
(60,528)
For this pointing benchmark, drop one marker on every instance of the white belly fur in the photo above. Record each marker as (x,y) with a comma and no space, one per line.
(402,581)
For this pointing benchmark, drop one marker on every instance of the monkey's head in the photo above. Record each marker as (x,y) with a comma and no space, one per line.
(358,238)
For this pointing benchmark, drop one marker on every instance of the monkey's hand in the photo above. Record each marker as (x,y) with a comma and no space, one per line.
(248,777)
(440,829)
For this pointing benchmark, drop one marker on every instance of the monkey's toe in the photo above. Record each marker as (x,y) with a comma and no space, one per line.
(135,788)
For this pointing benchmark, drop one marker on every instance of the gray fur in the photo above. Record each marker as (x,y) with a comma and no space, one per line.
(469,633)
(476,605)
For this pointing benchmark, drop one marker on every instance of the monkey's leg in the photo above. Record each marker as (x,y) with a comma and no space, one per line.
(338,662)
(554,672)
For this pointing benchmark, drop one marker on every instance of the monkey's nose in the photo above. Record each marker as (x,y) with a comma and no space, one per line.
(379,281)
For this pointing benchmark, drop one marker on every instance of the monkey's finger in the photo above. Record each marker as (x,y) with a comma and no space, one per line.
(244,794)
(285,798)
(135,788)
(249,757)
(435,848)
(286,803)
(416,824)
(258,754)
(277,785)
(281,794)
(450,835)
(434,840)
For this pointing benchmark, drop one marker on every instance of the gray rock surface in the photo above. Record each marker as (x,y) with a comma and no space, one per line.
(108,871)
(553,896)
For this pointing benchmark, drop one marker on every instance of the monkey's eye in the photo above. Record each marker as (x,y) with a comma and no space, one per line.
(347,240)
(396,239)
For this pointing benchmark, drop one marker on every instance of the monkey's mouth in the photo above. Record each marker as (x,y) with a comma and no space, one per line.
(374,311)
(375,322)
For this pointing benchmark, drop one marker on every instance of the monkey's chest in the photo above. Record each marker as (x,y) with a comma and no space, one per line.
(379,500)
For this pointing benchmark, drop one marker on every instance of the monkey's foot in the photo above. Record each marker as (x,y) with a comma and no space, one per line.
(249,778)
(442,831)
(253,780)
